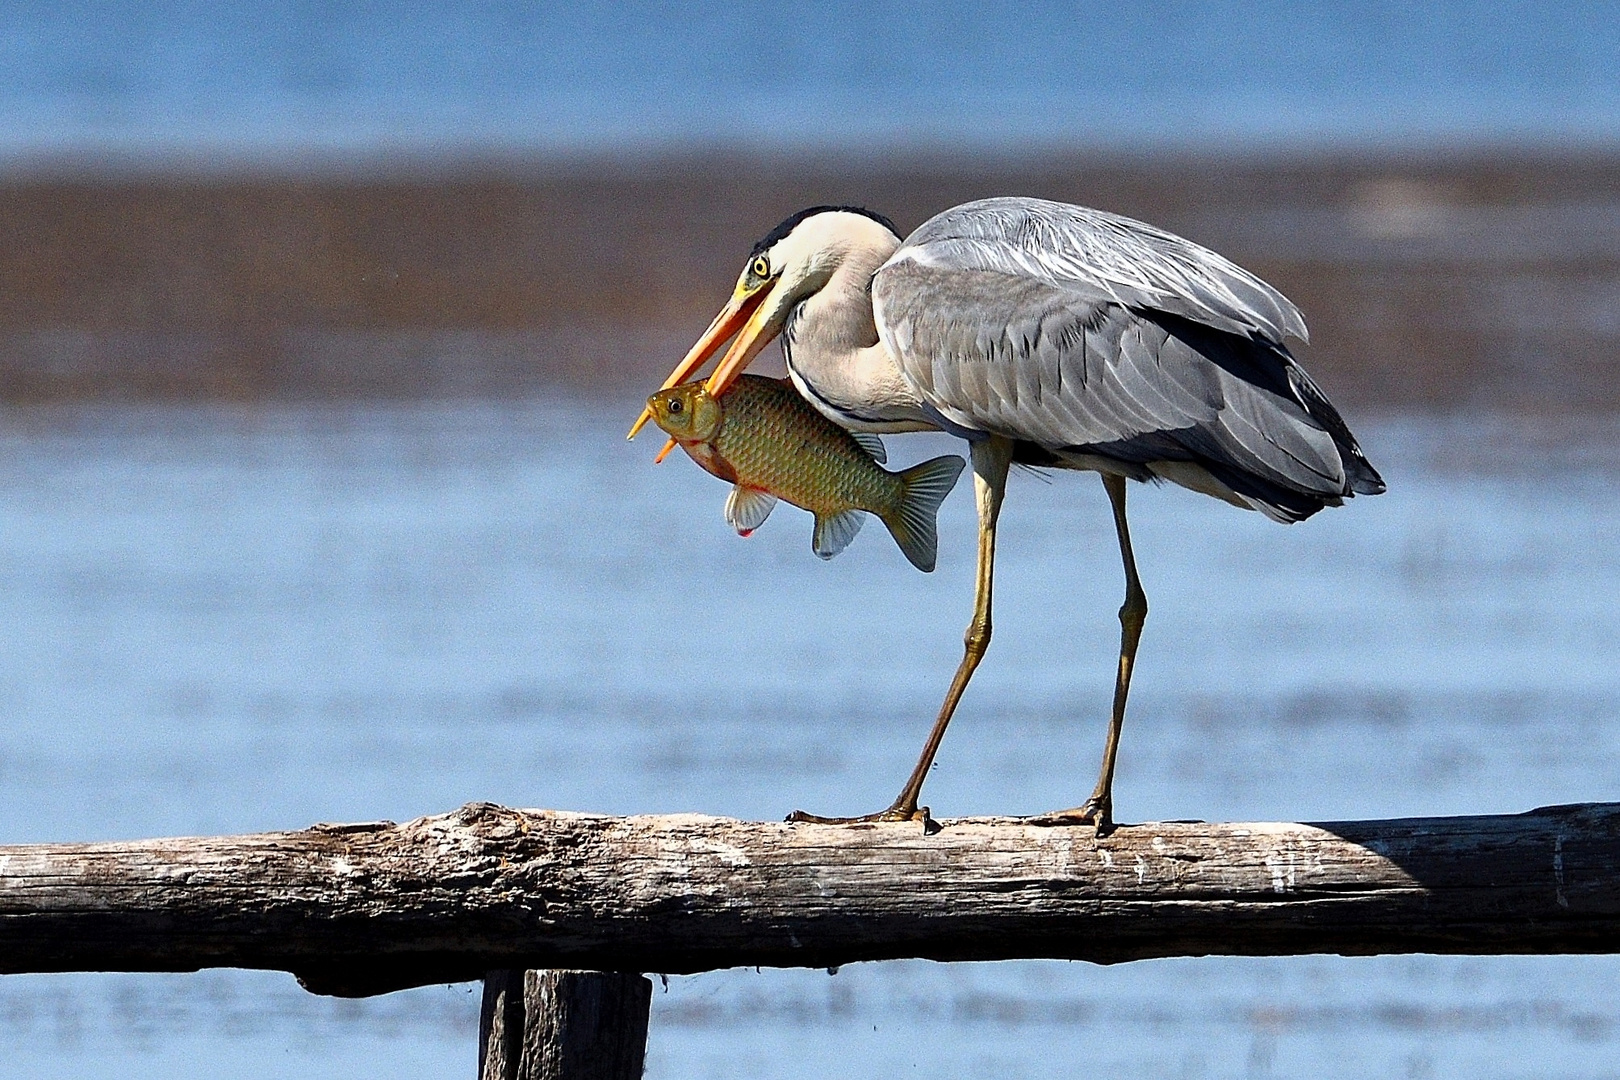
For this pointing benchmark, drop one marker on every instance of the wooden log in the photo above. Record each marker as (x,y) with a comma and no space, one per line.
(563,1025)
(360,909)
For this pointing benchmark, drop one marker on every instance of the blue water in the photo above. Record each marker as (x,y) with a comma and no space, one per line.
(154,78)
(215,620)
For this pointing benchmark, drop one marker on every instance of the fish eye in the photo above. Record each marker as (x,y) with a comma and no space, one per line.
(761,267)
(675,407)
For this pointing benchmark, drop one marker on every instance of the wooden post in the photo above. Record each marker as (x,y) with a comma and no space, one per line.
(500,1025)
(563,1025)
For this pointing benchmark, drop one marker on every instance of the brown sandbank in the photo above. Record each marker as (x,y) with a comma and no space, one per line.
(1451,280)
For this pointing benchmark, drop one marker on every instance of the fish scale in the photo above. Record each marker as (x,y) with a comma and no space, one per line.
(775,442)
(765,438)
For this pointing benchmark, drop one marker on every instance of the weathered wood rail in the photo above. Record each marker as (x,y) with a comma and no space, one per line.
(363,909)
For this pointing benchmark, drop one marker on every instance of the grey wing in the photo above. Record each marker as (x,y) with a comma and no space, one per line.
(1068,366)
(1130,262)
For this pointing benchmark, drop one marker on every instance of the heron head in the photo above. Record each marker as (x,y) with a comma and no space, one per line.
(788,266)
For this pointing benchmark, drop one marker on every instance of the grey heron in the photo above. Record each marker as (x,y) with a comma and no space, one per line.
(1052,335)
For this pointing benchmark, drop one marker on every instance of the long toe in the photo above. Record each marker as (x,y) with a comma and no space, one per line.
(891,814)
(1092,812)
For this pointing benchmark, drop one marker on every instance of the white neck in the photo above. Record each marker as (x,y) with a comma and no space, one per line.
(834,355)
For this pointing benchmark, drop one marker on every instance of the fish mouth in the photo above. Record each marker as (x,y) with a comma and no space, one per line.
(743,312)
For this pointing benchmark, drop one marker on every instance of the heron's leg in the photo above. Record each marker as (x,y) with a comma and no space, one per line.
(991,459)
(1099,809)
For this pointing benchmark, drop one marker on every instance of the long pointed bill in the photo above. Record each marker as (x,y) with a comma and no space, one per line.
(750,341)
(724,325)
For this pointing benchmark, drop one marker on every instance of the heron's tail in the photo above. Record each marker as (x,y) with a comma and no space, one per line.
(912,521)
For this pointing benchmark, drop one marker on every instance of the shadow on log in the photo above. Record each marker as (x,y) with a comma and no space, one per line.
(365,909)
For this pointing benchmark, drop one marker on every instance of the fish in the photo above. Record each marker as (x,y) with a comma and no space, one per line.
(763,437)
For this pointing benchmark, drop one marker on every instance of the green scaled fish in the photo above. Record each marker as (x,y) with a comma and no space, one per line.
(763,437)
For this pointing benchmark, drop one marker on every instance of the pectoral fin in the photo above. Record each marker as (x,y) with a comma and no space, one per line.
(747,508)
(834,533)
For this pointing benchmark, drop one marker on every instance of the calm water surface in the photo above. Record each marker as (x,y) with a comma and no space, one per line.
(216,621)
(289,78)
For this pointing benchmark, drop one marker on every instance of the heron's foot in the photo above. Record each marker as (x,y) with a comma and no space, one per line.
(893,813)
(1094,811)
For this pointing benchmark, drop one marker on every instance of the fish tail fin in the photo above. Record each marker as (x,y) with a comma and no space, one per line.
(913,522)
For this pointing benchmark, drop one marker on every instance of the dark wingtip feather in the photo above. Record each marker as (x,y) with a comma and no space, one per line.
(1364,479)
(1360,476)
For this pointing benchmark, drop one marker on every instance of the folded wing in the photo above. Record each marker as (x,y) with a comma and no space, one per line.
(1096,339)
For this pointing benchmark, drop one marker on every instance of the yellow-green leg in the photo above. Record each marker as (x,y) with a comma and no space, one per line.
(1099,809)
(991,459)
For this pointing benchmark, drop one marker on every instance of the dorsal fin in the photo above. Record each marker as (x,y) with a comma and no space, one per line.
(872,445)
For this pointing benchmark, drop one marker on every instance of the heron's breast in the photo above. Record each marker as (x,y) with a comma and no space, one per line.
(860,395)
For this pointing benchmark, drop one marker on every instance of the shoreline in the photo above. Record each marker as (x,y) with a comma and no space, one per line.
(1457,279)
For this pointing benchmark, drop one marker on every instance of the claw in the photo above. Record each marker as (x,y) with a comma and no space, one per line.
(893,813)
(1094,811)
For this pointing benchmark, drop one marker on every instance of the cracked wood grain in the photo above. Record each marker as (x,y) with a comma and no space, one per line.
(563,1025)
(367,908)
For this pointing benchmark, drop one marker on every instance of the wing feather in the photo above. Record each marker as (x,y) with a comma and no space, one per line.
(1117,258)
(1090,335)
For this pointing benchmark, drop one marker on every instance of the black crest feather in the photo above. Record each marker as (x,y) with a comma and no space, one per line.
(770,238)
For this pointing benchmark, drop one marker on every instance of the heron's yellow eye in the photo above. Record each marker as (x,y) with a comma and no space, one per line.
(762,267)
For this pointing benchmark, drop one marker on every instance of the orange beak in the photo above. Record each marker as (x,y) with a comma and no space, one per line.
(752,339)
(725,324)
